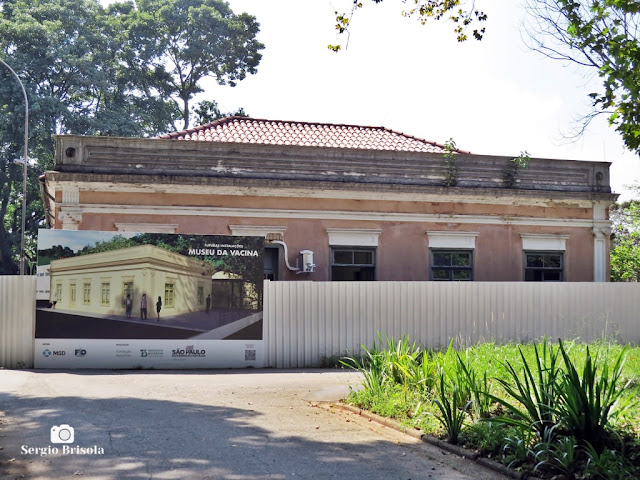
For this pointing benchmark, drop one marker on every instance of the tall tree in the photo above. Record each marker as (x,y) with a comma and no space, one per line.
(603,37)
(185,41)
(92,71)
(58,50)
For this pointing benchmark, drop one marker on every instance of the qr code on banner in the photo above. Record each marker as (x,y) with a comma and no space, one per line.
(249,355)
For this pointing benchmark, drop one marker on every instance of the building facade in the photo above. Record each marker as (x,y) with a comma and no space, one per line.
(100,282)
(370,203)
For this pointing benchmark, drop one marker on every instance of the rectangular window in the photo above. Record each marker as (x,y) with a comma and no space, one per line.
(127,289)
(72,294)
(200,295)
(86,293)
(105,294)
(452,265)
(169,294)
(58,297)
(543,266)
(353,264)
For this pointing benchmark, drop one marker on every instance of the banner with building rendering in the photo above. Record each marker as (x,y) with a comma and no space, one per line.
(127,300)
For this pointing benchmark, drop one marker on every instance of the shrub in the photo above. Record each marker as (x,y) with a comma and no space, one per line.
(586,400)
(534,390)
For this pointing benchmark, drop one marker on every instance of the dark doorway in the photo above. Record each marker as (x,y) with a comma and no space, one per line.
(271,263)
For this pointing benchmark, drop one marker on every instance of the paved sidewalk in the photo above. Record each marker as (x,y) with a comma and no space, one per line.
(231,424)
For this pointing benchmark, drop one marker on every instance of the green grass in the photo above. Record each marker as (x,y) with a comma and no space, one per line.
(519,404)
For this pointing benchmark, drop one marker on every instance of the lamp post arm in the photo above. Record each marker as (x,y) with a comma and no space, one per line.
(26,161)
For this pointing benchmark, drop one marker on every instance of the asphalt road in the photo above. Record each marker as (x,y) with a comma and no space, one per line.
(250,424)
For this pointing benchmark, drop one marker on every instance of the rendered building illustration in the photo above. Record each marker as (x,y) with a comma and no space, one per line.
(100,282)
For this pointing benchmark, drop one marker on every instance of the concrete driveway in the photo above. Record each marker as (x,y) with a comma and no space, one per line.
(250,424)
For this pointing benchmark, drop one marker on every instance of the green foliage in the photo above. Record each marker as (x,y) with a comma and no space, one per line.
(116,243)
(625,244)
(603,37)
(516,450)
(554,410)
(127,70)
(606,464)
(180,42)
(400,363)
(510,173)
(554,452)
(209,111)
(373,367)
(534,389)
(454,10)
(393,404)
(587,400)
(453,405)
(477,384)
(450,163)
(487,437)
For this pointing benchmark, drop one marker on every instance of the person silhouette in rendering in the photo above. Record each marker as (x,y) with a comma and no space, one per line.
(208,303)
(158,308)
(143,306)
(128,304)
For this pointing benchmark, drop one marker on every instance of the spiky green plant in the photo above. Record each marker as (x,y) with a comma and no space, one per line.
(588,399)
(452,406)
(534,390)
(372,365)
(477,385)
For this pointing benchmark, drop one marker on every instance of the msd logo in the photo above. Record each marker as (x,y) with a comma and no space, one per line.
(55,353)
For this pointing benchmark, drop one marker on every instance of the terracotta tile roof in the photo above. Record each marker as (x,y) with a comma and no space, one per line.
(277,132)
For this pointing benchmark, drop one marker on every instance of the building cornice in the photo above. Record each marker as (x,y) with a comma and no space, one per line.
(347,191)
(363,216)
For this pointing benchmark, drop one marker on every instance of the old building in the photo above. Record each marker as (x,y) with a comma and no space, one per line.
(369,202)
(100,282)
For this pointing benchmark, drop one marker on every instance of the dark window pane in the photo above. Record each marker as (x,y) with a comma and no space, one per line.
(343,257)
(534,261)
(361,257)
(452,265)
(552,276)
(440,274)
(543,267)
(353,274)
(461,259)
(552,261)
(442,259)
(462,275)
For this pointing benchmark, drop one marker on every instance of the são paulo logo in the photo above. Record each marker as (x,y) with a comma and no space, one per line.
(187,352)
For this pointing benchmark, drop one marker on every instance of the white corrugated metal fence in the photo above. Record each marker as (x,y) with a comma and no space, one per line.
(17,320)
(306,322)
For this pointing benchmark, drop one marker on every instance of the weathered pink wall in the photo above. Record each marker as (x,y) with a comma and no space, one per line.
(403,252)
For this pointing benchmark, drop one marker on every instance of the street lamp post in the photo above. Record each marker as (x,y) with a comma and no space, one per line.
(26,161)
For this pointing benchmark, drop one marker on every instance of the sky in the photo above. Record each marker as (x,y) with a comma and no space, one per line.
(492,97)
